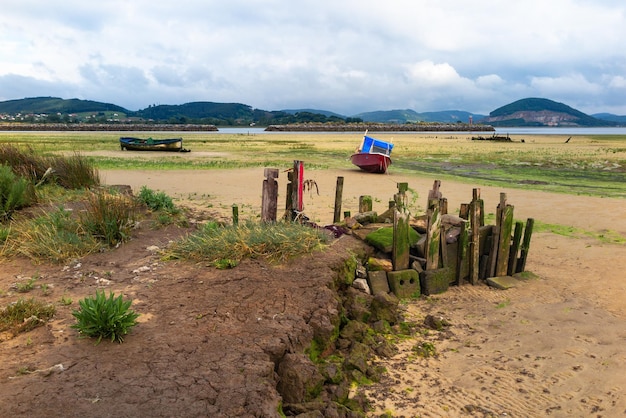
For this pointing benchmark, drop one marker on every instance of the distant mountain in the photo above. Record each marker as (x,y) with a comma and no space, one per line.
(525,112)
(541,112)
(56,105)
(326,113)
(411,116)
(610,117)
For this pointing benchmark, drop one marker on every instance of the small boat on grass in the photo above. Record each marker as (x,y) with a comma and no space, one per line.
(373,155)
(149,144)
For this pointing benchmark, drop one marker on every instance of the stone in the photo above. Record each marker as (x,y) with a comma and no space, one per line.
(378,282)
(436,281)
(404,283)
(502,282)
(361,284)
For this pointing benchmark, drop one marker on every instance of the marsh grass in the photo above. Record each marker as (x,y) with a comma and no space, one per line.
(54,236)
(225,246)
(587,165)
(109,218)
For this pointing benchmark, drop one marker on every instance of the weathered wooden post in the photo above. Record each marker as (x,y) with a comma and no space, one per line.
(462,251)
(504,244)
(433,235)
(295,190)
(521,263)
(517,237)
(400,197)
(338,197)
(269,200)
(365,204)
(235,210)
(400,249)
(474,215)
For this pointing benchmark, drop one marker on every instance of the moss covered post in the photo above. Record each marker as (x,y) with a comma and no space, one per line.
(401,249)
(475,224)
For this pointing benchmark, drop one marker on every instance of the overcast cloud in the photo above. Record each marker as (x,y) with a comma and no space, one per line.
(347,56)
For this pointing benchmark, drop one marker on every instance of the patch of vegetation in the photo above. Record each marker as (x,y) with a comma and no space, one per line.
(273,241)
(73,172)
(109,218)
(425,349)
(573,232)
(24,287)
(54,236)
(25,315)
(16,192)
(156,200)
(101,317)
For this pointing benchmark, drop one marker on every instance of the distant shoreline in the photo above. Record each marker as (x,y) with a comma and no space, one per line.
(299,127)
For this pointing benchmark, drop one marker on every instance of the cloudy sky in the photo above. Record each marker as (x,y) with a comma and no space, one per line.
(347,56)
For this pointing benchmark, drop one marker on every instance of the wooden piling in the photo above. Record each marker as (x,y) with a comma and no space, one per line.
(504,244)
(235,209)
(400,250)
(521,262)
(474,215)
(365,204)
(517,237)
(269,200)
(433,235)
(338,197)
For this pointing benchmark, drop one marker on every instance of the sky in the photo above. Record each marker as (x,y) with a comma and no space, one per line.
(345,56)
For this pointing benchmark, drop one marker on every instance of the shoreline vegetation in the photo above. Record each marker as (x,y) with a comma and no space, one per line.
(296,127)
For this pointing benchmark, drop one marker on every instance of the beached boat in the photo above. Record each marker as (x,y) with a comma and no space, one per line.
(373,156)
(149,144)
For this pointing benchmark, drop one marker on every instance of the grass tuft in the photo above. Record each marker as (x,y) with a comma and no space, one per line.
(25,315)
(226,245)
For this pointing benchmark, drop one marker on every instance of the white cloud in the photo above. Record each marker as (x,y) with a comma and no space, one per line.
(348,56)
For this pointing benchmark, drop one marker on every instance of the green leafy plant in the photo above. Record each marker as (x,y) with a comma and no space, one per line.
(101,317)
(156,200)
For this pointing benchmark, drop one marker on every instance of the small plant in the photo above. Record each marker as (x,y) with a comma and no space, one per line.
(24,315)
(26,287)
(425,349)
(156,200)
(101,317)
(65,300)
(45,289)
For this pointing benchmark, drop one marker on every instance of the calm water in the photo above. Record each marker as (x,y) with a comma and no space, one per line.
(499,131)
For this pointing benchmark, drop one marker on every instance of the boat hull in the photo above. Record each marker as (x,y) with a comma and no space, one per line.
(371,162)
(137,144)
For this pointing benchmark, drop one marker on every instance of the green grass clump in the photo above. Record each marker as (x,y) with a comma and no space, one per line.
(24,315)
(53,236)
(156,200)
(274,241)
(109,218)
(101,317)
(15,193)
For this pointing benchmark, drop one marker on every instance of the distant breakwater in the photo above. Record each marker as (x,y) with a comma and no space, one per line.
(147,127)
(380,127)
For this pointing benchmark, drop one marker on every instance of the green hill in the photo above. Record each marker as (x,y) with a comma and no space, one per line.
(541,112)
(56,105)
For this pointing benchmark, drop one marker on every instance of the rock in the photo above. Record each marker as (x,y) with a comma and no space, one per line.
(361,284)
(299,379)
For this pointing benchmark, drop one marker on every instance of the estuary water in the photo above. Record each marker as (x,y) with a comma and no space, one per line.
(499,131)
